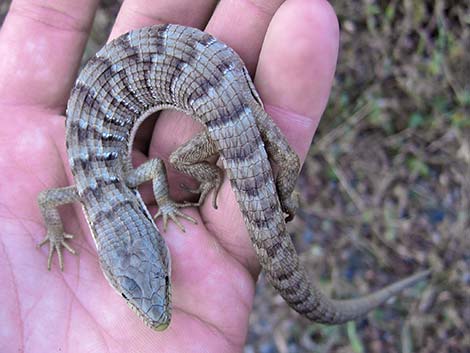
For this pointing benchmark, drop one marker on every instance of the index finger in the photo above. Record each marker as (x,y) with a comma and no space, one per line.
(296,68)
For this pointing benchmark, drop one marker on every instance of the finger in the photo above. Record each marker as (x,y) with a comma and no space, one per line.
(296,67)
(141,13)
(41,44)
(242,25)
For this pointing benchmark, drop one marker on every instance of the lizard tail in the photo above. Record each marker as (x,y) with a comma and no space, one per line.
(256,193)
(355,308)
(252,180)
(287,275)
(255,190)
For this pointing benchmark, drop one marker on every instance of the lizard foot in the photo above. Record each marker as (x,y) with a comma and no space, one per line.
(290,205)
(56,242)
(204,189)
(169,210)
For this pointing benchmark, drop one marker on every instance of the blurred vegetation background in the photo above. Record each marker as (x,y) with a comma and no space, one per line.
(386,185)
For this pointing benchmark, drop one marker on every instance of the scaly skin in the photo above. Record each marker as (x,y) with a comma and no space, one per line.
(181,68)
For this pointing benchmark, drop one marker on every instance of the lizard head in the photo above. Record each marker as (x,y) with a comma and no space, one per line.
(152,307)
(140,273)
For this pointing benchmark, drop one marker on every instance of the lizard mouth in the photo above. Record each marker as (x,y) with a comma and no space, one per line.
(159,324)
(160,327)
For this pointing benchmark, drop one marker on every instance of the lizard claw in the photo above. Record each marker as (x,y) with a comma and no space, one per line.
(169,210)
(204,189)
(290,205)
(56,242)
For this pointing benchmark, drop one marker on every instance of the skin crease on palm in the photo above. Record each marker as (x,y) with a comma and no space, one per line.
(290,47)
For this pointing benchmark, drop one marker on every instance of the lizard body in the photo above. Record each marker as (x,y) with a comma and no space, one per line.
(171,66)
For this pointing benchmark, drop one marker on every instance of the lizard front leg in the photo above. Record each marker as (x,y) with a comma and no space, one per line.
(191,159)
(48,201)
(154,170)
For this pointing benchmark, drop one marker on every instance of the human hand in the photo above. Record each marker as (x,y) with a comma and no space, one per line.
(213,265)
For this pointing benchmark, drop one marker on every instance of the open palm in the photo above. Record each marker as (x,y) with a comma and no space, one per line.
(291,47)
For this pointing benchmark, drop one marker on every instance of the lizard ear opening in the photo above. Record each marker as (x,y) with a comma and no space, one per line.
(253,90)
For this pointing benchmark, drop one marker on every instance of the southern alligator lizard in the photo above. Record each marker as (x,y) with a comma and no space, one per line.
(171,66)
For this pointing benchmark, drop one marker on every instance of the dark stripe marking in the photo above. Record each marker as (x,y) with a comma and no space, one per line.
(203,87)
(284,276)
(260,223)
(224,117)
(302,299)
(160,39)
(98,189)
(251,186)
(273,250)
(112,213)
(92,132)
(92,105)
(206,39)
(225,65)
(105,156)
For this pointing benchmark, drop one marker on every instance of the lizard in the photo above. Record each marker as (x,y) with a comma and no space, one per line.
(182,68)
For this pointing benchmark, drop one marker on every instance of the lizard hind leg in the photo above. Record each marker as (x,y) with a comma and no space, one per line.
(154,170)
(286,160)
(191,159)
